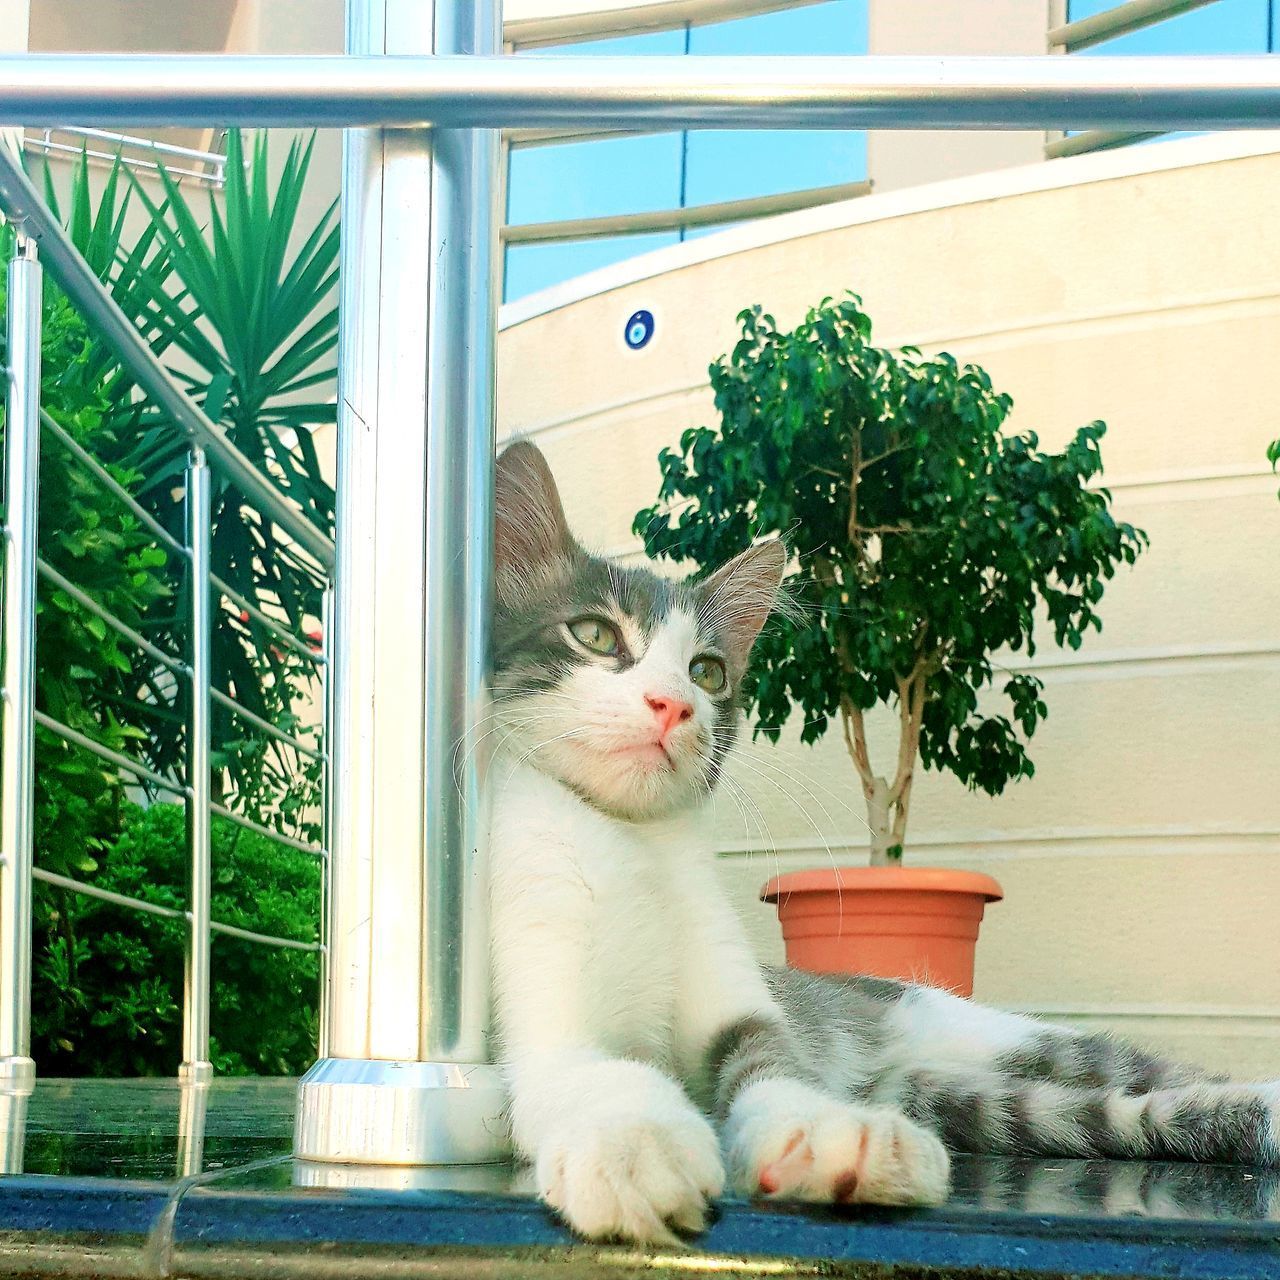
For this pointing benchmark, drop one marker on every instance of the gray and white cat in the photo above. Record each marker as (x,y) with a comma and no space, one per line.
(651,1061)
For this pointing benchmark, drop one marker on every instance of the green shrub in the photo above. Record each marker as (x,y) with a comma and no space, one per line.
(86,675)
(107,997)
(930,537)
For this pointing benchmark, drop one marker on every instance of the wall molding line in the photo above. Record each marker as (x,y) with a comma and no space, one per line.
(853,845)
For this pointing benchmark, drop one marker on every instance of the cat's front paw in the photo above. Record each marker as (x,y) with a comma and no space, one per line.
(787,1139)
(639,1177)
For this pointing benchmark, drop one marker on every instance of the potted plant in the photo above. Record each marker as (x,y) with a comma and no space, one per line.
(927,540)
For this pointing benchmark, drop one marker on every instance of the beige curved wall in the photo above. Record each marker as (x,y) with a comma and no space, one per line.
(1142,864)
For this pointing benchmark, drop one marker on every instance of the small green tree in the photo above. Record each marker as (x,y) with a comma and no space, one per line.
(928,539)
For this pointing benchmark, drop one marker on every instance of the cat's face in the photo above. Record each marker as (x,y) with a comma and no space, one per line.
(620,684)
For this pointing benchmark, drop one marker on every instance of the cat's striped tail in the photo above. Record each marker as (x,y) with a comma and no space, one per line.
(1205,1121)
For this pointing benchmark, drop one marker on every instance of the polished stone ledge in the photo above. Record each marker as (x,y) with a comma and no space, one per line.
(145,1179)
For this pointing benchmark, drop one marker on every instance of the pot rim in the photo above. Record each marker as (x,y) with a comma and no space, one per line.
(882,879)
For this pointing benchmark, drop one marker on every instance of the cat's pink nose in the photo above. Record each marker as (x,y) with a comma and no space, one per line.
(668,712)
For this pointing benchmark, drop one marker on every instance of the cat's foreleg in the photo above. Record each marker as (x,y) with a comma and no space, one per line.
(786,1134)
(785,1128)
(618,1150)
(616,1146)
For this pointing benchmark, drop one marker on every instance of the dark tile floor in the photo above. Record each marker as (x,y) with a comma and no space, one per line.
(146,1179)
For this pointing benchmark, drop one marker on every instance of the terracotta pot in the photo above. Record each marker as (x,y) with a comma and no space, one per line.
(917,923)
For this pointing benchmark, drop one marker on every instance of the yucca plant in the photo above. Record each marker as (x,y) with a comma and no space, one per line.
(240,303)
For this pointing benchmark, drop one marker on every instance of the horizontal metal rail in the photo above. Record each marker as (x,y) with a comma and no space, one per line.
(457,91)
(1080,144)
(74,736)
(251,717)
(50,574)
(47,147)
(598,24)
(249,825)
(1120,21)
(22,203)
(214,159)
(282,633)
(265,939)
(698,215)
(169,913)
(109,482)
(106,895)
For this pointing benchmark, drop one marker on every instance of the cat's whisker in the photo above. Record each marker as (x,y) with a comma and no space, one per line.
(769,845)
(788,776)
(494,722)
(808,817)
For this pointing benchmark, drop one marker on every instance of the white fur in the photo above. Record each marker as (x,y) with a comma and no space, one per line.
(784,1137)
(617,959)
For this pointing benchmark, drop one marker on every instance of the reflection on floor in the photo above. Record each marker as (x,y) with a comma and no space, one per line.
(147,1178)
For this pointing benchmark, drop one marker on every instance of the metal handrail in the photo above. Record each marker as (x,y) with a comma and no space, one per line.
(109,895)
(265,726)
(494,92)
(682,219)
(50,574)
(1083,33)
(46,146)
(87,890)
(279,837)
(266,939)
(23,205)
(111,756)
(108,482)
(1081,144)
(281,633)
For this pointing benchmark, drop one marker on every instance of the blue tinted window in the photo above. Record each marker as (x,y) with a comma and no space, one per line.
(730,165)
(592,179)
(666,171)
(648,42)
(530,267)
(1226,26)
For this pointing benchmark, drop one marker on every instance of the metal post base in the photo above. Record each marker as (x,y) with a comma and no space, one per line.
(361,1111)
(194,1073)
(17,1075)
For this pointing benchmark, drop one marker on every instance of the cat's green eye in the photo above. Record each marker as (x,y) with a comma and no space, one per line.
(597,635)
(708,673)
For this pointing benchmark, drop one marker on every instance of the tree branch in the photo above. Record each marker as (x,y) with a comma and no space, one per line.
(896,528)
(855,739)
(867,463)
(855,472)
(911,695)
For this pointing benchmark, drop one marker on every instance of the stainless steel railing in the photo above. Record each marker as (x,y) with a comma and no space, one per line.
(40,237)
(1071,37)
(144,155)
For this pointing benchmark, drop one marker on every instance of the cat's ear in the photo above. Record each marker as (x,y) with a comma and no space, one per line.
(737,599)
(531,535)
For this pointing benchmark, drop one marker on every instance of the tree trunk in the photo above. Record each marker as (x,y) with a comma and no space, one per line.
(884,845)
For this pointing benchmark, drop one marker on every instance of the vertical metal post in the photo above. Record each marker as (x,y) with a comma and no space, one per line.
(328,692)
(13,1127)
(17,721)
(196,1067)
(193,1110)
(406,1080)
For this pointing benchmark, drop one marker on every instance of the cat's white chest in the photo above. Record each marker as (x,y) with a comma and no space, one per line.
(564,876)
